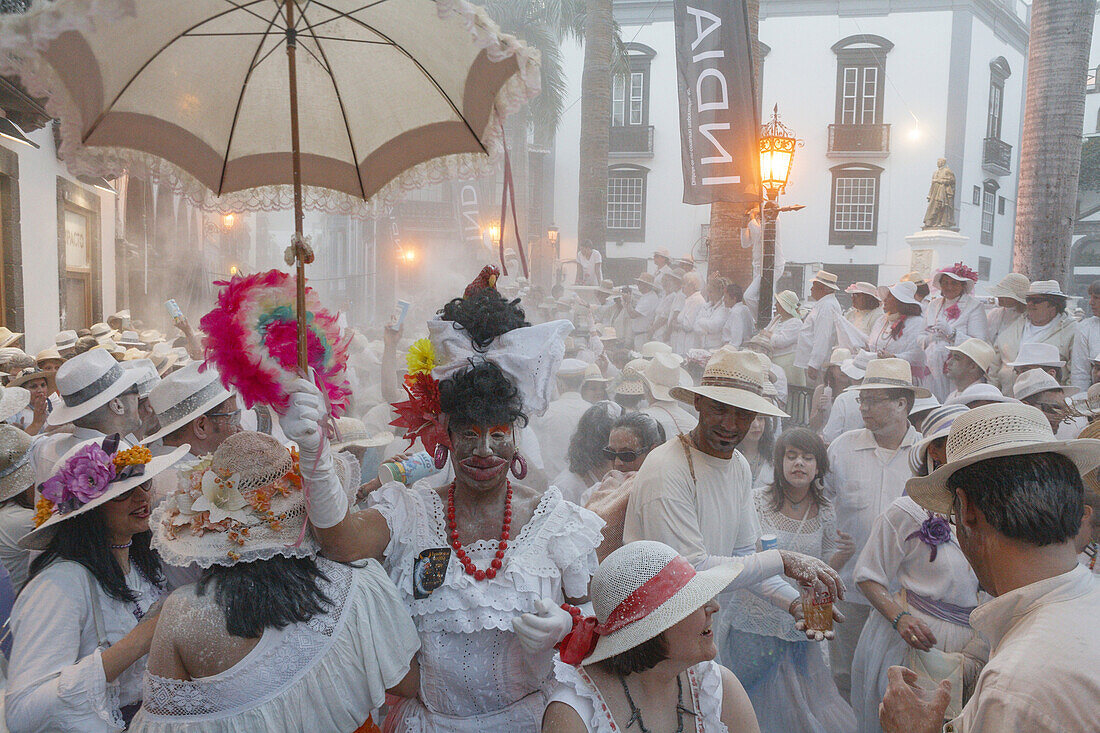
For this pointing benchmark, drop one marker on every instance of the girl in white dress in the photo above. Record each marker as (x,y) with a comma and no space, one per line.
(462,570)
(272,637)
(899,330)
(783,332)
(84,621)
(786,676)
(922,587)
(648,662)
(951,318)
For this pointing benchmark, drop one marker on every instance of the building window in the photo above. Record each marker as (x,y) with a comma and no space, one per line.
(998,72)
(855,203)
(989,210)
(630,91)
(861,73)
(984,266)
(626,197)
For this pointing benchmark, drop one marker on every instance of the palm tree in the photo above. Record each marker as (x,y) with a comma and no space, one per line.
(599,34)
(1050,150)
(726,255)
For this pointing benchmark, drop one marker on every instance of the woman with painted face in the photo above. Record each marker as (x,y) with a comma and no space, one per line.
(785,675)
(470,556)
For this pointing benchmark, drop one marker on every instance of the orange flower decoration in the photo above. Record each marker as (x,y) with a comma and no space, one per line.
(137,456)
(43,510)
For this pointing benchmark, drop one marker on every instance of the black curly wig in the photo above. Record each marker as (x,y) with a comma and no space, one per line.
(484,315)
(481,395)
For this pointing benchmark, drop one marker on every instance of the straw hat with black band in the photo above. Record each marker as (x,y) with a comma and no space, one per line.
(734,378)
(891,373)
(993,431)
(87,382)
(27,375)
(65,341)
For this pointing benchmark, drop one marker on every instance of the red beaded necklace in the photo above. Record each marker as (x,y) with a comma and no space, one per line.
(505,535)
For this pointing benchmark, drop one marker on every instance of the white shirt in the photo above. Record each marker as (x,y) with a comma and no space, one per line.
(683,335)
(1086,345)
(863,480)
(15,522)
(587,267)
(556,427)
(784,336)
(709,519)
(844,415)
(646,306)
(709,324)
(56,679)
(906,346)
(818,335)
(739,327)
(863,320)
(1041,674)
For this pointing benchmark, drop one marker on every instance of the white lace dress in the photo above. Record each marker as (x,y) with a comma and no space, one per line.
(968,322)
(475,677)
(785,676)
(577,690)
(327,674)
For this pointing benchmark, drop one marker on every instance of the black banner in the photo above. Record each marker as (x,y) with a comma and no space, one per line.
(719,121)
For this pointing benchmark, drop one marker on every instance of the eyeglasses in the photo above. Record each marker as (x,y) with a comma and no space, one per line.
(626,456)
(146,487)
(872,401)
(233,418)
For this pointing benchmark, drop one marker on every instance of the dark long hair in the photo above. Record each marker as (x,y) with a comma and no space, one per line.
(84,539)
(588,441)
(807,441)
(266,593)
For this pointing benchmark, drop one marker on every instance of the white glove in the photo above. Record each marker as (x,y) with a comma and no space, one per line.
(545,630)
(328,502)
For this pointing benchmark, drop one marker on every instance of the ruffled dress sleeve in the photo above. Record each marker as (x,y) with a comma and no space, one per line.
(56,680)
(706,678)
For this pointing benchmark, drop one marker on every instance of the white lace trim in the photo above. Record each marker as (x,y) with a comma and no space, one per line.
(553,555)
(41,81)
(262,678)
(705,682)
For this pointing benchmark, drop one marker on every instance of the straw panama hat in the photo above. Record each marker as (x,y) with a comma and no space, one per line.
(662,373)
(1030,354)
(1046,287)
(608,333)
(592,373)
(646,278)
(48,355)
(827,279)
(100,331)
(678,593)
(27,375)
(1013,285)
(734,378)
(352,433)
(87,382)
(65,340)
(892,373)
(16,471)
(130,338)
(662,252)
(39,537)
(1036,381)
(977,351)
(147,375)
(839,356)
(652,348)
(630,384)
(993,431)
(9,337)
(865,288)
(788,301)
(904,292)
(184,395)
(607,287)
(935,426)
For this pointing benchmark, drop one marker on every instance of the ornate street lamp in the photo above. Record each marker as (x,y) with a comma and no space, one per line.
(777,144)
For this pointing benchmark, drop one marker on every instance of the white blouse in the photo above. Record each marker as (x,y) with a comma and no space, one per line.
(15,522)
(475,676)
(577,690)
(56,680)
(784,336)
(327,674)
(906,346)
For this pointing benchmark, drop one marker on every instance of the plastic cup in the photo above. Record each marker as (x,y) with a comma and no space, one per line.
(817,607)
(409,471)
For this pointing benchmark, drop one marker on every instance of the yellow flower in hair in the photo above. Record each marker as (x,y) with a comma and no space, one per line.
(421,357)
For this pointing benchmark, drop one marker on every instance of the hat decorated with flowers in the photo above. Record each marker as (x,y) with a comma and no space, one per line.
(89,475)
(243,503)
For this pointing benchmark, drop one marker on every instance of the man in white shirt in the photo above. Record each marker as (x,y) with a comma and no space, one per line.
(818,335)
(694,493)
(868,470)
(1015,495)
(662,263)
(1086,344)
(968,363)
(740,325)
(642,308)
(556,426)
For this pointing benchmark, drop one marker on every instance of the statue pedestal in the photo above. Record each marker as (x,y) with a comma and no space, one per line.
(932,249)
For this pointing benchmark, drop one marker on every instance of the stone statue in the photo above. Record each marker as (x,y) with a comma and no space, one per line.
(941,198)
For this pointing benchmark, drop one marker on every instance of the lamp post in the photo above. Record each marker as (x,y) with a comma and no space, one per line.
(777,144)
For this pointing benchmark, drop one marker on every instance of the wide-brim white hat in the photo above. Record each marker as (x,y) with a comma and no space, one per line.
(891,373)
(1046,287)
(1033,354)
(662,373)
(183,396)
(992,431)
(788,301)
(86,382)
(864,288)
(8,337)
(353,433)
(13,400)
(734,378)
(626,571)
(1013,285)
(924,404)
(978,351)
(1037,381)
(904,292)
(39,537)
(979,392)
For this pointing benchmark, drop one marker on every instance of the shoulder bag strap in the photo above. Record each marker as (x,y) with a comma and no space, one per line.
(686,445)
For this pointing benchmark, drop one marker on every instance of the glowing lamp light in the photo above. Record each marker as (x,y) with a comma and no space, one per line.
(777,145)
(229,220)
(552,235)
(233,270)
(493,230)
(408,256)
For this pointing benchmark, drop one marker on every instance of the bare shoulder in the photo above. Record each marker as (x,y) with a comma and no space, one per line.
(737,712)
(562,718)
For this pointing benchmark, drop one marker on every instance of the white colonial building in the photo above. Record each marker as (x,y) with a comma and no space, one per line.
(878,90)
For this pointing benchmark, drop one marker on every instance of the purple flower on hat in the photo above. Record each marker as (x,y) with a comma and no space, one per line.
(933,532)
(84,477)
